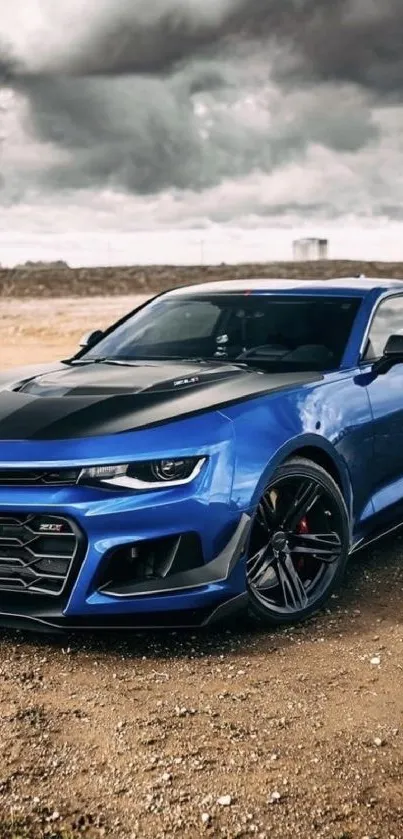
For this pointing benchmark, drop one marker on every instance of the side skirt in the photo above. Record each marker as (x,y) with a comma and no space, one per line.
(374,536)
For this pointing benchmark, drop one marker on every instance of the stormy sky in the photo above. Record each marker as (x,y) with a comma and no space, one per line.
(190,112)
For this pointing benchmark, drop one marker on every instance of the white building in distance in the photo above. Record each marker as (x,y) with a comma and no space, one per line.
(305,250)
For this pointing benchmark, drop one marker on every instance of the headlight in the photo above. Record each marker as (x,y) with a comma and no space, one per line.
(149,474)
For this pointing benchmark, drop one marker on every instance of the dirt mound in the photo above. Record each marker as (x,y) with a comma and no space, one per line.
(84,282)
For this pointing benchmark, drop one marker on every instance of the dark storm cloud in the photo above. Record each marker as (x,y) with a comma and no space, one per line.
(8,65)
(356,41)
(143,134)
(153,95)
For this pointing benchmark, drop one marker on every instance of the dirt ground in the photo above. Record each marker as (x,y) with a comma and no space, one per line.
(40,330)
(229,733)
(45,281)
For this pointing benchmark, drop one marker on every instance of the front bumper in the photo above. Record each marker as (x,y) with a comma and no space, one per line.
(193,596)
(196,592)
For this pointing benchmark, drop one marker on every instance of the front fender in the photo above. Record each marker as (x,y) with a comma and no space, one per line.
(294,447)
(333,417)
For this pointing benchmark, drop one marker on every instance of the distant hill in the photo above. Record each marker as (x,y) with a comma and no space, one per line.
(58,280)
(58,264)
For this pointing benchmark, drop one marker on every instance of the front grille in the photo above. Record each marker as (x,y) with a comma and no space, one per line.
(38,477)
(37,553)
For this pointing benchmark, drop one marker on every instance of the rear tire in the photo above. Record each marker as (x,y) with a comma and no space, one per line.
(299,544)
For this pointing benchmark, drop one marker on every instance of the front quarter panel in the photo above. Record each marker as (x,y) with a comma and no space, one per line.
(333,416)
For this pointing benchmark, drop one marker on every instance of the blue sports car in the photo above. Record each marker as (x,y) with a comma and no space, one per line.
(224,447)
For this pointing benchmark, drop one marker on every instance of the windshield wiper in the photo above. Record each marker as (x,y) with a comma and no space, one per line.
(77,361)
(141,359)
(132,362)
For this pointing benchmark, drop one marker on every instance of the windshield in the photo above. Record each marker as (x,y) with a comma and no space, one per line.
(273,331)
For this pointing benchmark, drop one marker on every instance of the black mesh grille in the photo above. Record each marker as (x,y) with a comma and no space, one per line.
(37,553)
(38,477)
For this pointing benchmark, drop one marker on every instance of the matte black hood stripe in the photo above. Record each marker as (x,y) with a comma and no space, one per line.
(24,416)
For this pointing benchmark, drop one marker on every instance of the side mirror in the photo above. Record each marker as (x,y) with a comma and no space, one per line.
(392,354)
(91,338)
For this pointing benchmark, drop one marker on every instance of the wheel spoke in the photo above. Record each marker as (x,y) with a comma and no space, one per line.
(306,498)
(294,594)
(254,561)
(266,577)
(325,546)
(259,567)
(267,513)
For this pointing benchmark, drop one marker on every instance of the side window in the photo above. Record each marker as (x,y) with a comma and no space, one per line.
(388,321)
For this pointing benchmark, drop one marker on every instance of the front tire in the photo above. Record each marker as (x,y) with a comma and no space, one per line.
(299,544)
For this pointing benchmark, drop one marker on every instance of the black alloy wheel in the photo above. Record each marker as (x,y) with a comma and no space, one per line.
(299,544)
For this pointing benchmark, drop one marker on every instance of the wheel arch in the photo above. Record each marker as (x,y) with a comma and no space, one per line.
(321,452)
(332,464)
(323,459)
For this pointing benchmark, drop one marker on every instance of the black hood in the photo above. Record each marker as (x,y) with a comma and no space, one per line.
(112,378)
(83,400)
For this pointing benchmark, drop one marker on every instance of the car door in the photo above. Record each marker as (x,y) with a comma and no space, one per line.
(386,399)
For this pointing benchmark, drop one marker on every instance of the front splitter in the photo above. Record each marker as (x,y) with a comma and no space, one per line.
(54,622)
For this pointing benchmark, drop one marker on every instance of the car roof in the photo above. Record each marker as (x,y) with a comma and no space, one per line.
(360,286)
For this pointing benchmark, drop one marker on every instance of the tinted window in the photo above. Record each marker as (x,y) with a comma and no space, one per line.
(281,331)
(388,321)
(185,322)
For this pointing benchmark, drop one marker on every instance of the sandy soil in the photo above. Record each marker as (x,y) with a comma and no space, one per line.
(234,733)
(39,330)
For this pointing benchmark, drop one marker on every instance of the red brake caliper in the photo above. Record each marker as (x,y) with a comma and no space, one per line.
(302,527)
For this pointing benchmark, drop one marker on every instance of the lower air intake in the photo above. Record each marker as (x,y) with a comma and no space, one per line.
(149,561)
(37,553)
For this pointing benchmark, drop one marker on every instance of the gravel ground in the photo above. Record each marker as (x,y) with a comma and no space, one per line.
(292,734)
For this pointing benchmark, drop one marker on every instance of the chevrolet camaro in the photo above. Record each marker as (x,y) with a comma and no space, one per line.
(223,447)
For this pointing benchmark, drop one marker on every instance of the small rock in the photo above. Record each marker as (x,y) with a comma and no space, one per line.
(206,818)
(274,797)
(375,659)
(379,742)
(224,800)
(180,712)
